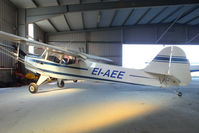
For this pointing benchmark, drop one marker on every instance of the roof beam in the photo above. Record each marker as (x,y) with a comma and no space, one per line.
(35,3)
(153,18)
(189,21)
(127,18)
(67,22)
(58,2)
(36,14)
(137,22)
(188,12)
(113,18)
(169,15)
(53,25)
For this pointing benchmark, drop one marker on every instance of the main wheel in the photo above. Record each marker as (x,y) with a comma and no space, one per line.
(179,94)
(75,81)
(33,88)
(60,84)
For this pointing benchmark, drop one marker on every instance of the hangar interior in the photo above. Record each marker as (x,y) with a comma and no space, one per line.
(99,27)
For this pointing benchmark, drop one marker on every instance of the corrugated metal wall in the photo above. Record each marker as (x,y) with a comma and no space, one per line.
(107,50)
(8,23)
(101,43)
(80,47)
(39,35)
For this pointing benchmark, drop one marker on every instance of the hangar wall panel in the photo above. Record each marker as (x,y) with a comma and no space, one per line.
(22,22)
(193,35)
(177,34)
(8,23)
(91,36)
(79,36)
(107,50)
(39,35)
(140,34)
(79,47)
(105,36)
(149,34)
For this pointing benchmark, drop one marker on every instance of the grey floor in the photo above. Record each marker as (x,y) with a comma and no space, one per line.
(88,107)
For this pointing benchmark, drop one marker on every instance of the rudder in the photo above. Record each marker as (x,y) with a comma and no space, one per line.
(171,61)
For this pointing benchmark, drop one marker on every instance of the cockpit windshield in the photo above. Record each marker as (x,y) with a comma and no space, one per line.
(61,59)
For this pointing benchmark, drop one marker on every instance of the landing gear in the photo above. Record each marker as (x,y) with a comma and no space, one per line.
(179,94)
(75,81)
(60,83)
(33,88)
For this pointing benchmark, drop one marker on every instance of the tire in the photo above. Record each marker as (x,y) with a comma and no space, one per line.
(60,84)
(33,88)
(75,81)
(179,94)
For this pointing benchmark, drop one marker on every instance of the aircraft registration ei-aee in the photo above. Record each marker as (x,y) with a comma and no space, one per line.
(169,68)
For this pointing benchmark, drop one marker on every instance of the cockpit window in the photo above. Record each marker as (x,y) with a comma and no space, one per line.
(53,59)
(69,60)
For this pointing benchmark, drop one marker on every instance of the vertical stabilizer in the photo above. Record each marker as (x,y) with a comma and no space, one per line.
(171,61)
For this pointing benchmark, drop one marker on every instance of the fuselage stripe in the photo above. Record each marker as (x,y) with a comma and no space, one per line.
(141,77)
(174,59)
(194,70)
(88,77)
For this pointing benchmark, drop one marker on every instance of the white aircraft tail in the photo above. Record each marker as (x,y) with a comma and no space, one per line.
(171,62)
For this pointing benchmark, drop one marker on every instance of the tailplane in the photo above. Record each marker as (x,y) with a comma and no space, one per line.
(171,62)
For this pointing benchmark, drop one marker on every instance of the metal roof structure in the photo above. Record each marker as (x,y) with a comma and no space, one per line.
(77,15)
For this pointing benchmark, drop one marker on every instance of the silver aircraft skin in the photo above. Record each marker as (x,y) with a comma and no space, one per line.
(169,68)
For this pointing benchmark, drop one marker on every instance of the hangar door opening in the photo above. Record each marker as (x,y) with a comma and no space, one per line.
(138,56)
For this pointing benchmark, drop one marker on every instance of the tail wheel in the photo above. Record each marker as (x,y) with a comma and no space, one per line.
(60,84)
(75,81)
(33,88)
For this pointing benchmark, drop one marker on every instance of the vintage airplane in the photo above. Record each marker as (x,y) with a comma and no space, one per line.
(169,68)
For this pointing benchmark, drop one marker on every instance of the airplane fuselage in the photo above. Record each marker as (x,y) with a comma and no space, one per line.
(95,71)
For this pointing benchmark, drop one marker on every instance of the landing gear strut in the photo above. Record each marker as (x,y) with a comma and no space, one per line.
(60,83)
(33,88)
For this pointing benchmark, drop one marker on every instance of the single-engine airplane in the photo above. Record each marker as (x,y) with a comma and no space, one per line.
(169,68)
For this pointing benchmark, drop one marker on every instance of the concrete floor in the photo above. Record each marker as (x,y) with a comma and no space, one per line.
(88,107)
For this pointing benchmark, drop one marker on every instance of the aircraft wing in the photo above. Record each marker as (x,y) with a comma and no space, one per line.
(25,41)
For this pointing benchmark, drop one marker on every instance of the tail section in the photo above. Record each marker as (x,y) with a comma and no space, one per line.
(171,62)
